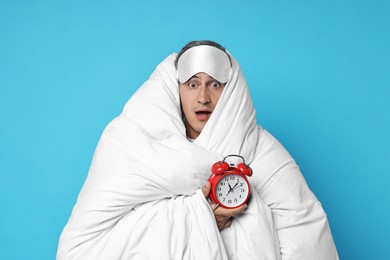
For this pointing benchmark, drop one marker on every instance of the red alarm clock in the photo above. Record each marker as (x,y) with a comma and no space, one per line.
(229,185)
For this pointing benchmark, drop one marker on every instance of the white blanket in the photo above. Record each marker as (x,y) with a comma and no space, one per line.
(142,198)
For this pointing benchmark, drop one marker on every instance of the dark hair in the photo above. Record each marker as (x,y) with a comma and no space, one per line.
(199,43)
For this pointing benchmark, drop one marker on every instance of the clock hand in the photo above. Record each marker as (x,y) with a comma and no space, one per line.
(230,189)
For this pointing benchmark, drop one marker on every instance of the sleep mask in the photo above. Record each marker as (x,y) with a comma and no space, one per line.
(204,58)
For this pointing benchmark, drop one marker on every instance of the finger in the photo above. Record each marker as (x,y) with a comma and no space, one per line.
(224,224)
(221,219)
(228,223)
(206,189)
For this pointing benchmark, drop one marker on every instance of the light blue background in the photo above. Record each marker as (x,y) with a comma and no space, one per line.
(318,71)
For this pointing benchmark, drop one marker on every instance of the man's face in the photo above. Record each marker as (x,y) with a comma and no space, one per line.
(199,96)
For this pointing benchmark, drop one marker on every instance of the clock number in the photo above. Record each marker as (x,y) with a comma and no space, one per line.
(229,201)
(220,194)
(242,190)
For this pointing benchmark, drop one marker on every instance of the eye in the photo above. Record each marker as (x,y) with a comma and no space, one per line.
(215,84)
(192,85)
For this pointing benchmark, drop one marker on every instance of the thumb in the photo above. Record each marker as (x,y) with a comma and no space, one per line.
(206,189)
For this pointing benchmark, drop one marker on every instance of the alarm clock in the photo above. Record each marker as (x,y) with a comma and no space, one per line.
(229,184)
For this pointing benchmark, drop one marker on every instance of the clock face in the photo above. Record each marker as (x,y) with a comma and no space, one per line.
(232,190)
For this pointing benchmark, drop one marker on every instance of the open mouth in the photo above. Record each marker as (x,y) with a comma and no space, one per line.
(203,115)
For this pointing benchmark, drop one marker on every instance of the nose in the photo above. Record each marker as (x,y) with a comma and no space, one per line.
(204,95)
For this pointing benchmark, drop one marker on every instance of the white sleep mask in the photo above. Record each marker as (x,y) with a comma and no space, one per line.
(204,58)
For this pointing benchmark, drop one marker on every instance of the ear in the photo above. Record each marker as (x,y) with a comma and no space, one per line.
(219,167)
(245,169)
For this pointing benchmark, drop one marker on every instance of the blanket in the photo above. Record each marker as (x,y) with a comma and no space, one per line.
(142,198)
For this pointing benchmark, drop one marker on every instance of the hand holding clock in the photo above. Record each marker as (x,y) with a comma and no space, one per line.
(223,216)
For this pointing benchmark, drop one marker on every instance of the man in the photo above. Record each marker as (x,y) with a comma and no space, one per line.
(142,198)
(199,94)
